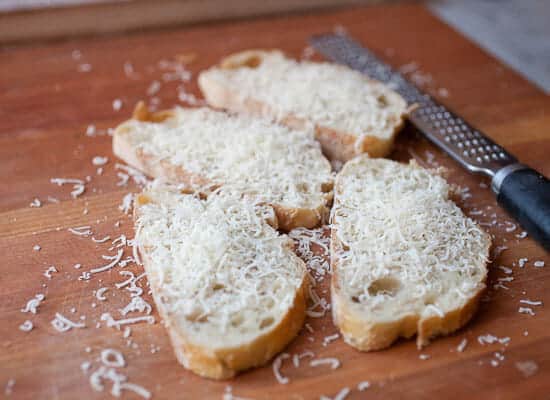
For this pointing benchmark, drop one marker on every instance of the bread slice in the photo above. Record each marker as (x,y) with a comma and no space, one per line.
(351,113)
(228,286)
(405,259)
(206,149)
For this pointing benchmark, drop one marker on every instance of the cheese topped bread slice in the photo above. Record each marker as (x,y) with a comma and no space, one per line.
(227,285)
(351,113)
(206,149)
(405,258)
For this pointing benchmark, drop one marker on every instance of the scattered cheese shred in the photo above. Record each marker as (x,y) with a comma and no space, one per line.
(99,294)
(283,380)
(363,385)
(111,322)
(32,304)
(328,339)
(35,203)
(462,345)
(26,326)
(526,310)
(331,361)
(48,273)
(341,395)
(62,324)
(98,160)
(112,358)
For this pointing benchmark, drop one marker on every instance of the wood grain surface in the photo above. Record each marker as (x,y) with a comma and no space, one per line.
(46,106)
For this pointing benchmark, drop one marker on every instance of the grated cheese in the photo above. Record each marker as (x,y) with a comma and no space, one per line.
(98,160)
(117,104)
(364,385)
(116,260)
(112,358)
(328,339)
(111,322)
(32,304)
(297,357)
(78,185)
(127,203)
(49,271)
(35,203)
(538,264)
(81,231)
(26,326)
(522,261)
(9,387)
(526,310)
(424,357)
(277,362)
(462,345)
(63,324)
(341,395)
(36,247)
(531,302)
(490,339)
(102,240)
(99,294)
(325,94)
(331,361)
(136,304)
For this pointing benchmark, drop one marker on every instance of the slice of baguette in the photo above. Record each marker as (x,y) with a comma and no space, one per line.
(351,113)
(405,259)
(206,149)
(228,286)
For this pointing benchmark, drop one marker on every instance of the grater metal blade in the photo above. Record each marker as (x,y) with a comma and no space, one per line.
(465,144)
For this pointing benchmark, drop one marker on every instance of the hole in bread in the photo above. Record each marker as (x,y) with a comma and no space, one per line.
(355,299)
(266,322)
(218,286)
(389,286)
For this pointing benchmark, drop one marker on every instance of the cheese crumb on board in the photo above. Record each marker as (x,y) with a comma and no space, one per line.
(341,395)
(112,358)
(63,324)
(117,104)
(99,160)
(26,326)
(331,361)
(526,310)
(48,273)
(424,357)
(462,345)
(36,247)
(35,203)
(364,385)
(331,338)
(538,264)
(531,302)
(297,357)
(111,322)
(277,362)
(32,304)
(9,387)
(100,293)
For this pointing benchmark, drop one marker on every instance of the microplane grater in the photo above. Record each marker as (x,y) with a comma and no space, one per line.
(524,192)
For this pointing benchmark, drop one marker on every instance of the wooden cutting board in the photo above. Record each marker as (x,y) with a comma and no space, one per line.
(47,103)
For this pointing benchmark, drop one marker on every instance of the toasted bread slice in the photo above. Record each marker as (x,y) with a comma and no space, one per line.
(351,113)
(206,149)
(227,285)
(405,259)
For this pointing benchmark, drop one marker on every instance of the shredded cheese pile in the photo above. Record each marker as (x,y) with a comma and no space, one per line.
(326,94)
(267,162)
(404,245)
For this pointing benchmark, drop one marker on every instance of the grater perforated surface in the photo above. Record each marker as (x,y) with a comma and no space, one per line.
(460,140)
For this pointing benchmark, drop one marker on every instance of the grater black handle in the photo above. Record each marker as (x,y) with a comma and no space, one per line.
(525,194)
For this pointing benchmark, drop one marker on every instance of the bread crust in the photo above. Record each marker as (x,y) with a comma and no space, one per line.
(225,363)
(336,145)
(288,217)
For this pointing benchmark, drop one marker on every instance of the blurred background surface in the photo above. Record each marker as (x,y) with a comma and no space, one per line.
(515,31)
